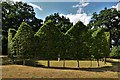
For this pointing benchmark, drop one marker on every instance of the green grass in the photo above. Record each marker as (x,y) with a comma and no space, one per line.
(73,63)
(21,71)
(113,60)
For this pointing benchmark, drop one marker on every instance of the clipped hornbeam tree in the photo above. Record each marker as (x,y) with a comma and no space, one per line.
(77,34)
(11,53)
(22,42)
(50,40)
(97,43)
(64,47)
(101,44)
(106,45)
(88,43)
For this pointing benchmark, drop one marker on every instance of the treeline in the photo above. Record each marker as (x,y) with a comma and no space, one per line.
(25,36)
(49,42)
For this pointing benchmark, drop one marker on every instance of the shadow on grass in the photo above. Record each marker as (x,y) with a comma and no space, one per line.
(29,63)
(101,69)
(114,68)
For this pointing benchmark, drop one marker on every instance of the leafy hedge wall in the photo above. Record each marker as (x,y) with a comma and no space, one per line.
(49,42)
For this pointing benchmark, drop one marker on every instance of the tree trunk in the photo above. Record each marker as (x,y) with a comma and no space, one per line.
(78,63)
(23,61)
(110,40)
(90,62)
(64,63)
(98,63)
(104,60)
(48,63)
(59,59)
(12,59)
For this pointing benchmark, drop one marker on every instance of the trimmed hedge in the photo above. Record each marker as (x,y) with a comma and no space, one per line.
(49,42)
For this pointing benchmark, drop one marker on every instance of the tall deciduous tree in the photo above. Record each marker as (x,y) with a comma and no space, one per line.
(11,52)
(22,42)
(61,22)
(50,40)
(89,43)
(13,14)
(77,33)
(64,47)
(101,44)
(109,19)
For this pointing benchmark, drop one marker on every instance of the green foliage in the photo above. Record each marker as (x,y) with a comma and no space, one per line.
(107,43)
(77,34)
(22,41)
(61,22)
(101,43)
(109,19)
(88,44)
(115,53)
(77,29)
(50,39)
(11,34)
(77,43)
(58,35)
(13,14)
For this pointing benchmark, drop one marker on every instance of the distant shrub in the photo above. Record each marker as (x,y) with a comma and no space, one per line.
(29,62)
(115,53)
(6,61)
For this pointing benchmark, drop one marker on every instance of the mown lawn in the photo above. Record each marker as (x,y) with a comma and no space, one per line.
(73,63)
(20,71)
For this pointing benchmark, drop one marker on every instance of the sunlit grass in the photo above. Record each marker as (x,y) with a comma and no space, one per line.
(73,63)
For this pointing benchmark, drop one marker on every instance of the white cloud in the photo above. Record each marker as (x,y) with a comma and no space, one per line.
(117,6)
(17,0)
(76,17)
(80,15)
(13,0)
(113,6)
(35,6)
(84,4)
(80,6)
(75,6)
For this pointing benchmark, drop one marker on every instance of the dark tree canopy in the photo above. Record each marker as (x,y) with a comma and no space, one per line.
(109,19)
(76,33)
(77,30)
(25,37)
(13,14)
(100,43)
(61,22)
(50,39)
